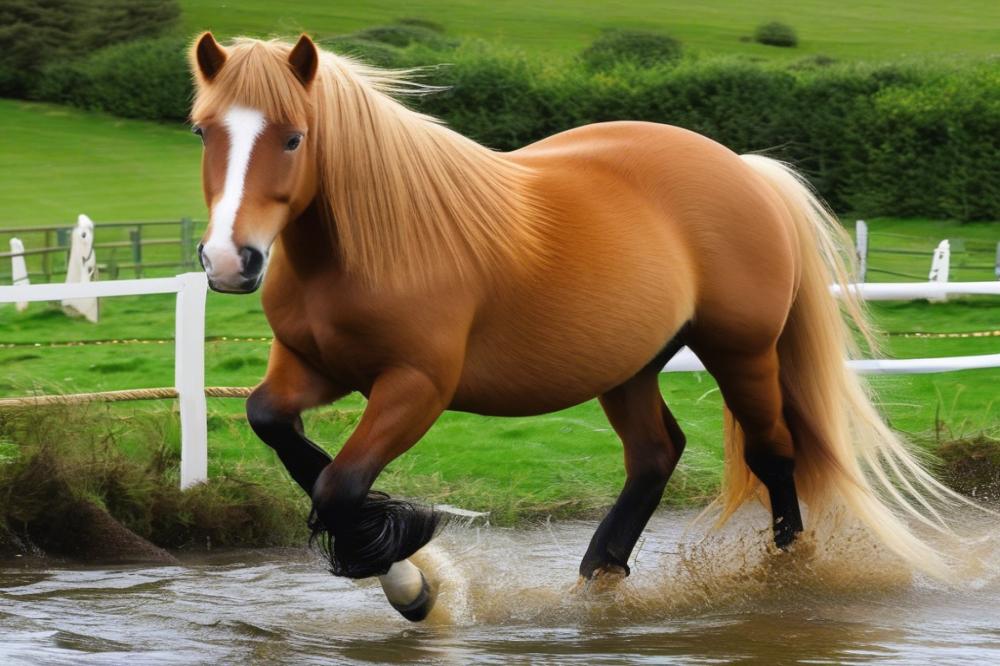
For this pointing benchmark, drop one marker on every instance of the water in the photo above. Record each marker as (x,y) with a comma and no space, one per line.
(507,597)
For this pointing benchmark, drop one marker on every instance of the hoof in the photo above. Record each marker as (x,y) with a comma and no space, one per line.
(604,578)
(785,535)
(418,609)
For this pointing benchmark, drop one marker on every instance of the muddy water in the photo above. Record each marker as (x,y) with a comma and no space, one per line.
(506,597)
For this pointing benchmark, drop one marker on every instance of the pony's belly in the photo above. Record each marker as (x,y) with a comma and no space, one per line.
(522,401)
(554,373)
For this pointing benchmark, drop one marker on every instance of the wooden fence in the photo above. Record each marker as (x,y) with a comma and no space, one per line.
(46,248)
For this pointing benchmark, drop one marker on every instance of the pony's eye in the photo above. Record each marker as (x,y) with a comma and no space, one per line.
(293,142)
(200,132)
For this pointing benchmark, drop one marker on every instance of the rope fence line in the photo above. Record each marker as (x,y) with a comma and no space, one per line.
(167,393)
(932,335)
(126,341)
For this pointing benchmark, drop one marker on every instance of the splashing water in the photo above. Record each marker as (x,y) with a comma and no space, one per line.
(506,595)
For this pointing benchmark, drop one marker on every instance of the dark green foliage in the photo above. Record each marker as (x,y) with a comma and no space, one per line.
(934,147)
(498,98)
(372,53)
(402,35)
(637,47)
(775,33)
(146,78)
(34,33)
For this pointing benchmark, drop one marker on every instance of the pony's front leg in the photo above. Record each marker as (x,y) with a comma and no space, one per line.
(370,534)
(274,408)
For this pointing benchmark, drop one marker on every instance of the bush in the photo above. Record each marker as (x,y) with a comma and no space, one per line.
(372,53)
(932,150)
(146,78)
(775,34)
(34,34)
(402,35)
(638,47)
(494,96)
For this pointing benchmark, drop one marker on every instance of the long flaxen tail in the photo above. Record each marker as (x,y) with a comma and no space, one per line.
(846,455)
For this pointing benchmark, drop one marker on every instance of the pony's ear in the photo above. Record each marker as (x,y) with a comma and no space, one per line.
(208,56)
(304,60)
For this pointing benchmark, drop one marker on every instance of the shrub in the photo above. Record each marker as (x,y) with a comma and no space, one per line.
(146,78)
(402,35)
(36,33)
(493,96)
(638,47)
(775,33)
(373,53)
(932,150)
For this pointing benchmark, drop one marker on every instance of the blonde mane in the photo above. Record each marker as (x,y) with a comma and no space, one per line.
(409,200)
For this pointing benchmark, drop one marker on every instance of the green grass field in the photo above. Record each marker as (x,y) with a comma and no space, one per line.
(62,162)
(59,162)
(850,29)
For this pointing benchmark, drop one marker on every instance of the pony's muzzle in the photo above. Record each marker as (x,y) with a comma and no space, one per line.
(232,271)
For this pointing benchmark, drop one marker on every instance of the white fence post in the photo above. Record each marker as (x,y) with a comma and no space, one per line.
(189,377)
(940,267)
(19,270)
(861,246)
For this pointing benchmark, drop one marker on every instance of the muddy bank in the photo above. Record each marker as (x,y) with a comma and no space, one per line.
(972,467)
(68,490)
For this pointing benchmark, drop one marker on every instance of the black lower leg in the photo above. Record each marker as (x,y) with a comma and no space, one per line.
(777,475)
(284,433)
(364,532)
(618,533)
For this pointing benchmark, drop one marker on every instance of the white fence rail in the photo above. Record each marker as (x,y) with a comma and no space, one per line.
(189,369)
(189,348)
(906,291)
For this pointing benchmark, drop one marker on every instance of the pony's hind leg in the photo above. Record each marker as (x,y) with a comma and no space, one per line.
(653,444)
(750,386)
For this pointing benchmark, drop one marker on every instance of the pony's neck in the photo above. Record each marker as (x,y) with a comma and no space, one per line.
(309,244)
(413,202)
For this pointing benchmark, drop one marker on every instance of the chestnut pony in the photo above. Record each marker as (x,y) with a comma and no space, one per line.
(413,265)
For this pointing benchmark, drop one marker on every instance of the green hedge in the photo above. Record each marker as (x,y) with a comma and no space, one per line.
(139,79)
(889,139)
(639,47)
(36,33)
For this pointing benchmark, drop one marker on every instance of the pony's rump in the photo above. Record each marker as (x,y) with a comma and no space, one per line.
(846,455)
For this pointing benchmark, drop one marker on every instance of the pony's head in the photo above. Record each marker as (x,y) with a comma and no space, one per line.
(252,112)
(407,200)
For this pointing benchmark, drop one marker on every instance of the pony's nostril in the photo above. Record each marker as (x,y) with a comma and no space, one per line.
(206,265)
(253,262)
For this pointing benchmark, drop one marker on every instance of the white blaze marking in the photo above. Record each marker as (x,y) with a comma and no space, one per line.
(244,126)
